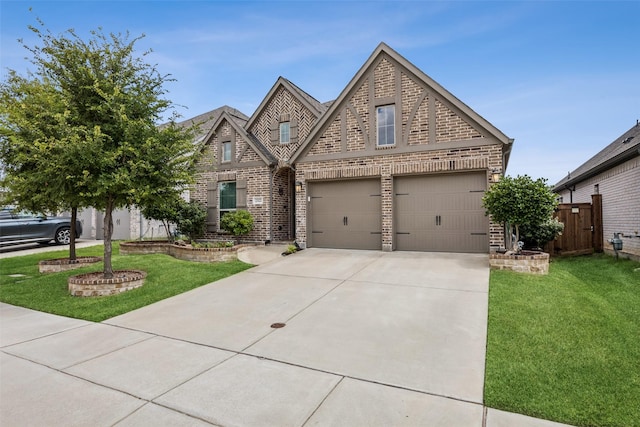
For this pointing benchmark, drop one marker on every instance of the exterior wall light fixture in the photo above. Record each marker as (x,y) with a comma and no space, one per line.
(298,186)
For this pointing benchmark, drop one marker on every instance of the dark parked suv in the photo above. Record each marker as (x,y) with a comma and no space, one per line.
(20,227)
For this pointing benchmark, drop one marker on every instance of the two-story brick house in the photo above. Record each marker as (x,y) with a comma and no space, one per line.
(396,162)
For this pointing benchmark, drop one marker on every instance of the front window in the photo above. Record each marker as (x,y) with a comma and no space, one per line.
(227,193)
(226,151)
(285,132)
(386,116)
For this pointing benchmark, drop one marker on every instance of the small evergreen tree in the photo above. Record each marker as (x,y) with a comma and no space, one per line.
(520,201)
(536,236)
(191,219)
(165,210)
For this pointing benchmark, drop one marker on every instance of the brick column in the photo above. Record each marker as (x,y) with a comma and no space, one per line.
(386,188)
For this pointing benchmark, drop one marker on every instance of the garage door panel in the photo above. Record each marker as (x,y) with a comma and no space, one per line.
(326,222)
(346,214)
(441,213)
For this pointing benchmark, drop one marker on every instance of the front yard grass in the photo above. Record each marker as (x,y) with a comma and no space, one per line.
(566,346)
(166,277)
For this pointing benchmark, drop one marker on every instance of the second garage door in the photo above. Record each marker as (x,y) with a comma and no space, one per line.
(345,214)
(441,213)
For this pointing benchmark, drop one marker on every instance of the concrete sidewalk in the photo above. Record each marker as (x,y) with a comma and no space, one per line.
(34,248)
(370,338)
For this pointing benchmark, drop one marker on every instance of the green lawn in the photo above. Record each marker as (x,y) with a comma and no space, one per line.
(566,346)
(166,276)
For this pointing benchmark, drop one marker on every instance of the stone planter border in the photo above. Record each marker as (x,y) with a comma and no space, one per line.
(530,262)
(185,253)
(94,285)
(65,264)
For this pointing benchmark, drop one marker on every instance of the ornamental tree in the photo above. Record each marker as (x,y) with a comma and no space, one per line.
(164,210)
(112,101)
(520,201)
(38,149)
(191,219)
(536,236)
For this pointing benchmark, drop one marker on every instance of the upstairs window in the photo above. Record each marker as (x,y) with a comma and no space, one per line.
(386,120)
(285,132)
(226,152)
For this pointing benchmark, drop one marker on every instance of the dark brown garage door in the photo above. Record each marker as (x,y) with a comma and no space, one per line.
(345,214)
(441,213)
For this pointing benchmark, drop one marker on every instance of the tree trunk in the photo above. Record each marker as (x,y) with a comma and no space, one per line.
(167,229)
(108,232)
(72,242)
(516,247)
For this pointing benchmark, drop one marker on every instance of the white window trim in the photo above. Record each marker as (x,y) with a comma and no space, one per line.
(222,159)
(288,132)
(393,108)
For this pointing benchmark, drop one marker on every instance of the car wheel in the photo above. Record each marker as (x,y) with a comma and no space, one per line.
(63,236)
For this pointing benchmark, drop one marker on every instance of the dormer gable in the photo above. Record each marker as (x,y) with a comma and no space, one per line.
(228,146)
(203,122)
(389,90)
(284,119)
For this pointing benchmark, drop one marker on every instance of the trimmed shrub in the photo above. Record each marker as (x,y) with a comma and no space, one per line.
(535,236)
(237,223)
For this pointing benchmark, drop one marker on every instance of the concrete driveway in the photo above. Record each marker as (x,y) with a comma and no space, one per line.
(370,338)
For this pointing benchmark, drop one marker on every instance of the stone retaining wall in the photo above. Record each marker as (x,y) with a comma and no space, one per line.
(64,264)
(186,253)
(530,263)
(144,248)
(93,285)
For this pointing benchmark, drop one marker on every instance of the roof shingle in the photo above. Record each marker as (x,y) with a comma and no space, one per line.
(623,147)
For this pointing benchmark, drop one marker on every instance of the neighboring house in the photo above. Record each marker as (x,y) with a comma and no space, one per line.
(615,174)
(396,162)
(128,224)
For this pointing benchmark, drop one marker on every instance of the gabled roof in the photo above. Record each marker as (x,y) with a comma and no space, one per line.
(205,121)
(236,124)
(625,147)
(383,49)
(315,106)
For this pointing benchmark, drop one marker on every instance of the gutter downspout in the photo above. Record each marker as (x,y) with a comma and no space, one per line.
(294,206)
(571,193)
(271,175)
(506,229)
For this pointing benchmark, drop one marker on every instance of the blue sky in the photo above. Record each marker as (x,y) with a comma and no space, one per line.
(560,77)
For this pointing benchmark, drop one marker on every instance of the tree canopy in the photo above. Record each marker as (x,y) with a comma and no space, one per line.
(92,109)
(520,201)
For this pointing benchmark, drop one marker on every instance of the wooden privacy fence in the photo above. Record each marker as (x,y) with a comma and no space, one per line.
(582,228)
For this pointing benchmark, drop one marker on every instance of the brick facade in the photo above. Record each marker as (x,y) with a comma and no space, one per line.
(386,167)
(434,133)
(347,148)
(246,165)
